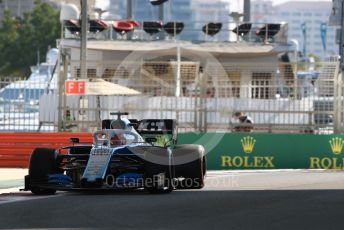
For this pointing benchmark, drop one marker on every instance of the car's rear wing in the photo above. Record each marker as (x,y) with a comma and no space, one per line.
(158,127)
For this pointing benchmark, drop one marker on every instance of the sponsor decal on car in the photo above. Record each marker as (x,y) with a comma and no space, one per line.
(97,164)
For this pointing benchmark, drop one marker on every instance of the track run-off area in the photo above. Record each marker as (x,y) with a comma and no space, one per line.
(271,199)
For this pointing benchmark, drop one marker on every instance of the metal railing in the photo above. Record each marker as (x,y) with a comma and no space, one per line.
(277,100)
(20,104)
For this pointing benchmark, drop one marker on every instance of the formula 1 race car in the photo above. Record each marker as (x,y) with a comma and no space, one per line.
(124,154)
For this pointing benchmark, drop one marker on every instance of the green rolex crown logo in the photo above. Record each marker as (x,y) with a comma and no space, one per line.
(248,144)
(336,144)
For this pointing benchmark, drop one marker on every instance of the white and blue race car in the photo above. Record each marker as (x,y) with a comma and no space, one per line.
(124,154)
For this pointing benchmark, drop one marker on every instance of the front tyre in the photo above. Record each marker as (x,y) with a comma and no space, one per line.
(43,162)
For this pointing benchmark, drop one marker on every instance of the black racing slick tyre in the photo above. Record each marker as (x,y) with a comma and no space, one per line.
(42,163)
(159,174)
(190,165)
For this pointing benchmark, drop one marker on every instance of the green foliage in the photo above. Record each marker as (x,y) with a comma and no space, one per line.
(316,58)
(8,36)
(20,39)
(303,64)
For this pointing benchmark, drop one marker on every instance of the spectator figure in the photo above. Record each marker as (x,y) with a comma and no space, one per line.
(246,123)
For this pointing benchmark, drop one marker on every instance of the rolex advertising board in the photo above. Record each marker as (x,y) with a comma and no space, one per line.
(269,151)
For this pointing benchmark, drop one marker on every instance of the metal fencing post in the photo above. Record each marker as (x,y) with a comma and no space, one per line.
(60,81)
(83,56)
(340,76)
(337,102)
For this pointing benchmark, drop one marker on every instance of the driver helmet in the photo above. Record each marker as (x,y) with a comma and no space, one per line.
(117,139)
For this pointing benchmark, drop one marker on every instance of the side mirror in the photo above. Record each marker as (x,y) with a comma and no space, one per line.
(74,140)
(151,139)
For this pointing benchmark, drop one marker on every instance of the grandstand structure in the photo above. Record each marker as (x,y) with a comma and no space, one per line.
(201,83)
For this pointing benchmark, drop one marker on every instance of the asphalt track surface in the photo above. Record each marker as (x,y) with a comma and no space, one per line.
(296,199)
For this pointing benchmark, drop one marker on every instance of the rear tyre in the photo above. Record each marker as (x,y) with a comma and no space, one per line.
(204,166)
(190,164)
(159,171)
(42,163)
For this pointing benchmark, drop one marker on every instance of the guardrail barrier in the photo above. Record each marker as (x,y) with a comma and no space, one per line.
(225,151)
(269,151)
(15,148)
